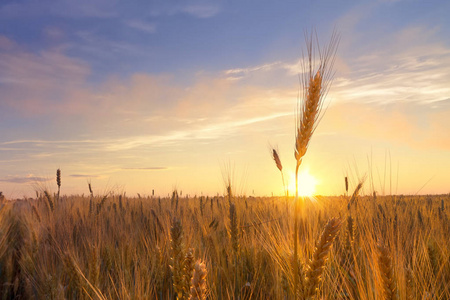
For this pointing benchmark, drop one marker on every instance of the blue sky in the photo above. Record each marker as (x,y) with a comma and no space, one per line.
(149,95)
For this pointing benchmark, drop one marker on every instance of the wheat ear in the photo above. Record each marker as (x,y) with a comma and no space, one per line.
(76,274)
(309,116)
(58,181)
(234,231)
(350,233)
(198,288)
(94,267)
(433,255)
(71,270)
(50,204)
(90,189)
(36,213)
(346,184)
(177,257)
(315,83)
(387,272)
(188,270)
(320,256)
(277,160)
(234,236)
(355,194)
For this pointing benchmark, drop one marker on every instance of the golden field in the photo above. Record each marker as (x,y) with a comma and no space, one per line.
(115,247)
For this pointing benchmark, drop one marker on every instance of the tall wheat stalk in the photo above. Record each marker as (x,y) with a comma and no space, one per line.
(315,81)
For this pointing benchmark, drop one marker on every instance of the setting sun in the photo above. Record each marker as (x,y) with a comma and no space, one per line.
(306,184)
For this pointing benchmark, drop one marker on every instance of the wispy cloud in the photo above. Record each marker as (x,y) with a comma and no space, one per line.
(105,9)
(201,10)
(53,33)
(24,179)
(84,176)
(7,44)
(141,25)
(147,168)
(64,8)
(50,142)
(35,83)
(239,73)
(195,8)
(105,48)
(204,130)
(9,149)
(211,132)
(405,76)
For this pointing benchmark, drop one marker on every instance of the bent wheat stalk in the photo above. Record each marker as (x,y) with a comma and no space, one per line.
(320,256)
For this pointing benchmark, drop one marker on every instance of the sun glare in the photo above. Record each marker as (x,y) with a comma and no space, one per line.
(306,184)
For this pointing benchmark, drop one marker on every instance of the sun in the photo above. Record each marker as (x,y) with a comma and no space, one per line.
(306,184)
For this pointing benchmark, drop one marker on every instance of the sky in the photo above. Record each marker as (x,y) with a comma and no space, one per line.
(143,96)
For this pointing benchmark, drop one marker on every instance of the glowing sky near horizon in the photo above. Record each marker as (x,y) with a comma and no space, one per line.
(138,96)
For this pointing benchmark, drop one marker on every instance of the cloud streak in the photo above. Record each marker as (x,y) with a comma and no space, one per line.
(147,168)
(84,176)
(24,179)
(83,9)
(141,25)
(195,8)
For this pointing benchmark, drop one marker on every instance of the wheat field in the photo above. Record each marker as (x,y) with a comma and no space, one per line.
(115,247)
